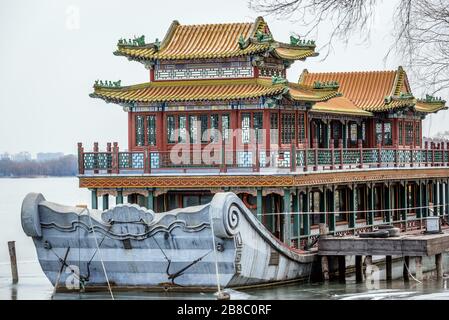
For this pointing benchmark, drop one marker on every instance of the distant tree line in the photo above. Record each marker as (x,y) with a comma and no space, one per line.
(64,166)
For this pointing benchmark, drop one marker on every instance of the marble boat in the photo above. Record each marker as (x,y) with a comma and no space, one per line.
(132,247)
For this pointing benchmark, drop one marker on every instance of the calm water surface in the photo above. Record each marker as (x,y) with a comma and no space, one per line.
(34,285)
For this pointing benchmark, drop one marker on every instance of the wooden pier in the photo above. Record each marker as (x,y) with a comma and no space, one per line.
(416,245)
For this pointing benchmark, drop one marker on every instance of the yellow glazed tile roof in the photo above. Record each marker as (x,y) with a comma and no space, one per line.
(214,41)
(195,90)
(430,107)
(340,105)
(307,93)
(294,54)
(374,91)
(203,90)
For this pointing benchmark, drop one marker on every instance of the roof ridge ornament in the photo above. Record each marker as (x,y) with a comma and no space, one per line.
(326,85)
(136,42)
(405,95)
(278,80)
(107,84)
(242,42)
(157,44)
(431,99)
(296,41)
(262,36)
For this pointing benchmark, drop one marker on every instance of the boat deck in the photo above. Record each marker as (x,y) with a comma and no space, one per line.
(407,244)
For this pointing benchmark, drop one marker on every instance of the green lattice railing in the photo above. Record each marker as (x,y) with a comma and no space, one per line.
(293,159)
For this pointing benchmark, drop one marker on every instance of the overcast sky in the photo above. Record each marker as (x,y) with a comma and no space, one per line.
(52,51)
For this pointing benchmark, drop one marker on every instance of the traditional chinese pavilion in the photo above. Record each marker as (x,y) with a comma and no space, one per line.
(219,115)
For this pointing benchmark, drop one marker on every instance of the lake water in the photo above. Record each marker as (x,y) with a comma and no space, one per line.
(34,285)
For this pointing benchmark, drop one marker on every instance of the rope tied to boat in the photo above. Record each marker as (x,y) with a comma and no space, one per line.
(100,255)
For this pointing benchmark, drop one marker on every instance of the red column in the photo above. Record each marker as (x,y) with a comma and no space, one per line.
(340,146)
(447,150)
(109,151)
(267,126)
(80,158)
(315,150)
(130,130)
(379,151)
(115,164)
(95,157)
(332,154)
(360,145)
(160,131)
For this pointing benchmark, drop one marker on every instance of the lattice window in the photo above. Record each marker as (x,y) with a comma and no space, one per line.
(171,129)
(140,131)
(258,125)
(151,130)
(182,132)
(287,128)
(336,131)
(214,132)
(193,129)
(246,125)
(379,132)
(353,132)
(225,126)
(363,131)
(409,133)
(301,127)
(418,133)
(388,138)
(203,121)
(401,133)
(274,128)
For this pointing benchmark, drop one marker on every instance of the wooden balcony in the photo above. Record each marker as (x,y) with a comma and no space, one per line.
(254,159)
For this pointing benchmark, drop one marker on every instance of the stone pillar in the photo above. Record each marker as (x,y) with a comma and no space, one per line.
(332,219)
(287,217)
(404,197)
(352,208)
(342,268)
(94,199)
(323,205)
(387,204)
(105,201)
(439,265)
(435,198)
(358,269)
(119,197)
(389,267)
(418,268)
(370,213)
(418,201)
(406,268)
(296,215)
(305,210)
(425,198)
(259,204)
(150,199)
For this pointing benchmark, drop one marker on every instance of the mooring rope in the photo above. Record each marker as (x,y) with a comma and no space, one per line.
(215,255)
(100,255)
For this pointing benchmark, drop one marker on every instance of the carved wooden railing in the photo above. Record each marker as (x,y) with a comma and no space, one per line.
(255,159)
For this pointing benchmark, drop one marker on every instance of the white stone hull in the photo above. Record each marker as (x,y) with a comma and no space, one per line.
(143,249)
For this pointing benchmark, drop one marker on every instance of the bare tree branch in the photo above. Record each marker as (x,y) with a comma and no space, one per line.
(420,30)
